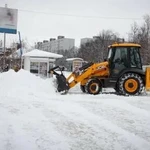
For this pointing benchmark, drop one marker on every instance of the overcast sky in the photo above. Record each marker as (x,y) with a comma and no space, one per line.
(75,18)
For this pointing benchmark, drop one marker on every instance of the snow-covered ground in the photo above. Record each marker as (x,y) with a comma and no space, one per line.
(34,117)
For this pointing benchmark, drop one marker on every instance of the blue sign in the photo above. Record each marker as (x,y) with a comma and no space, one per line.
(11,31)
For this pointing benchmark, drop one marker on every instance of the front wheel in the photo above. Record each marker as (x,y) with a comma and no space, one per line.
(82,87)
(94,86)
(130,84)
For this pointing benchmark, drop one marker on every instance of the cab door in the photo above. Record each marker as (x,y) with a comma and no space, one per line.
(119,61)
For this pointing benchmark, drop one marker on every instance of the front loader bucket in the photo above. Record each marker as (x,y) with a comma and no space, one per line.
(62,84)
(148,78)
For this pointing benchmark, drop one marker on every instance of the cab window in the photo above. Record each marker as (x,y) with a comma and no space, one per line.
(119,60)
(135,60)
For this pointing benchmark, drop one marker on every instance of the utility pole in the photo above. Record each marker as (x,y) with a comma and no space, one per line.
(20,43)
(20,49)
(4,60)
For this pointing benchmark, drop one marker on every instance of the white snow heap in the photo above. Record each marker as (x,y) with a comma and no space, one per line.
(72,59)
(40,53)
(12,82)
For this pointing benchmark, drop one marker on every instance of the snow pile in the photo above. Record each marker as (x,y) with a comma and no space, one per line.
(22,123)
(34,117)
(23,82)
(40,53)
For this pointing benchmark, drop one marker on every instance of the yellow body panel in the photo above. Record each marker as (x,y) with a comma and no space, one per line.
(96,70)
(125,44)
(148,78)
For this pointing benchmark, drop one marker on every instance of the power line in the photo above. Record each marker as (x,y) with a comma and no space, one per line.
(79,16)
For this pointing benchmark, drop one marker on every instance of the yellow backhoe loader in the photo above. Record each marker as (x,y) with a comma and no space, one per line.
(122,71)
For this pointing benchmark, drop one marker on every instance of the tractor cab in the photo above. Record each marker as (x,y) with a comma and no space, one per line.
(124,56)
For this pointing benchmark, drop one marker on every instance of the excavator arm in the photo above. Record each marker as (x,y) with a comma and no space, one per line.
(80,75)
(95,70)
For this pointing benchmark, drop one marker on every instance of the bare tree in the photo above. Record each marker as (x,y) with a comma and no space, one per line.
(147,38)
(133,35)
(71,53)
(96,50)
(141,35)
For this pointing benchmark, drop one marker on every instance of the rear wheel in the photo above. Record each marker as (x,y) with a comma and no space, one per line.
(93,86)
(130,84)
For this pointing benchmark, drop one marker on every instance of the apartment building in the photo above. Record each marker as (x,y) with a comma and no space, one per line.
(85,40)
(54,45)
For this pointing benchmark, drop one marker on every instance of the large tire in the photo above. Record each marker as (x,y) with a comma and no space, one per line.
(82,87)
(93,86)
(130,84)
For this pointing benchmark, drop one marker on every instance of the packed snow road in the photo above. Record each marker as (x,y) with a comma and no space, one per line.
(34,117)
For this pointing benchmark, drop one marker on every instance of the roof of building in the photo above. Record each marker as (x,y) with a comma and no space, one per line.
(72,59)
(40,53)
(125,44)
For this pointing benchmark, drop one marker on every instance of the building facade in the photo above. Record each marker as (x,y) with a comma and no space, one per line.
(85,40)
(54,45)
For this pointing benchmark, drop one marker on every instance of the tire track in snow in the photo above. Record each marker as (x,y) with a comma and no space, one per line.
(139,124)
(141,102)
(89,131)
(83,135)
